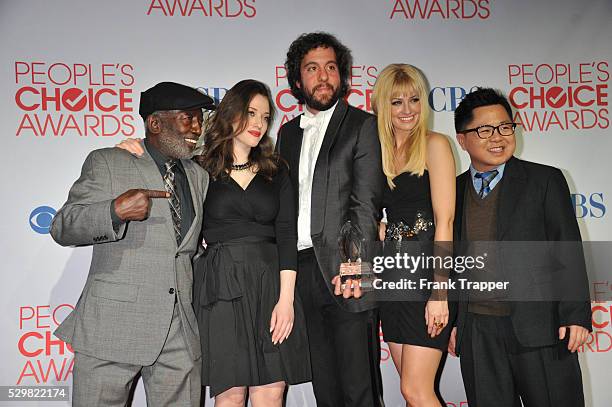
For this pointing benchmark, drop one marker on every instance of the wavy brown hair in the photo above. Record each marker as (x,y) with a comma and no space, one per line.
(306,43)
(217,156)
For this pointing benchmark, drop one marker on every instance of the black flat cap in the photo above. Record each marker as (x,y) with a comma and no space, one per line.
(172,96)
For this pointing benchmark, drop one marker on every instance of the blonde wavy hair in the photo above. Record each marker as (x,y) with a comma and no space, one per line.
(393,81)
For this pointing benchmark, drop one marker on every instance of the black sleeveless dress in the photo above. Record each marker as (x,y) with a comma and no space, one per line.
(409,207)
(250,236)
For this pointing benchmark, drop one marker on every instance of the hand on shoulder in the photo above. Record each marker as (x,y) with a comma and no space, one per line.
(134,146)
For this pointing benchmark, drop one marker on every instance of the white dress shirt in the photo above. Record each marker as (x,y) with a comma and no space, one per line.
(314,131)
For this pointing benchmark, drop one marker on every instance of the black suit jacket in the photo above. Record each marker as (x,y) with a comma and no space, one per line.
(347,184)
(534,205)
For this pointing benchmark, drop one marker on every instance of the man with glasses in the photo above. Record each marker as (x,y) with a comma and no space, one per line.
(143,216)
(514,351)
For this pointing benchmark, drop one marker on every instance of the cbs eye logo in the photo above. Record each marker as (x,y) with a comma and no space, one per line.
(40,219)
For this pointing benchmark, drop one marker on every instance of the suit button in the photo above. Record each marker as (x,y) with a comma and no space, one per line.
(171,291)
(176,256)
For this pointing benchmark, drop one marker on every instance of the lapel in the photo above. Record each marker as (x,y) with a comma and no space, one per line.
(512,189)
(153,180)
(321,171)
(194,188)
(462,181)
(291,149)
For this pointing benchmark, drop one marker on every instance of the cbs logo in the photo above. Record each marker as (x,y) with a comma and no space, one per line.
(215,93)
(446,99)
(589,206)
(40,219)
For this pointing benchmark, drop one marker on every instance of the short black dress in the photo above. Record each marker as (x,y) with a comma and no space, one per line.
(250,235)
(408,206)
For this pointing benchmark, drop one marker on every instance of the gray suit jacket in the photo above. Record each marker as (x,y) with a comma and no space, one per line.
(125,309)
(347,184)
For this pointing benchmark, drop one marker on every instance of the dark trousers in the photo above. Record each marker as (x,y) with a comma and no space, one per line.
(498,371)
(339,352)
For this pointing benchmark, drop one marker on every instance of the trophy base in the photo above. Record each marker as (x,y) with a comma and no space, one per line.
(358,271)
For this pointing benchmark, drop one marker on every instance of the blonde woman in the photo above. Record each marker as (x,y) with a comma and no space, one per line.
(420,204)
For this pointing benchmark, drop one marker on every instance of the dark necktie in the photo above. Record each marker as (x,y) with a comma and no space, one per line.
(173,200)
(486,177)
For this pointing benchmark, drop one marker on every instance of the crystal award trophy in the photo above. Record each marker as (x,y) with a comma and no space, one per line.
(351,244)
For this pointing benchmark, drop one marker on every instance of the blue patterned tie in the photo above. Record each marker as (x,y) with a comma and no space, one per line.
(486,177)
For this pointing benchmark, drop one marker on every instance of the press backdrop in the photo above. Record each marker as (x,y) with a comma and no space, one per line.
(71,73)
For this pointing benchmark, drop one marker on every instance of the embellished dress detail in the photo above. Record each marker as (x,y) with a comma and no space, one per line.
(410,228)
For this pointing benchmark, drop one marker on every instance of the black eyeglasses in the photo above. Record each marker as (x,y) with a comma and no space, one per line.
(486,131)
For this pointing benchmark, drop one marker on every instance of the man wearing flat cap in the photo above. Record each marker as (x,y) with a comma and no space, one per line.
(143,217)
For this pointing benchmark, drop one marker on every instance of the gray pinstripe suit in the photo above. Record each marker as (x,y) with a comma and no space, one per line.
(136,302)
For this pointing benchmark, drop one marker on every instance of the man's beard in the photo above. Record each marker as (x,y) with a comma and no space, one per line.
(172,145)
(320,105)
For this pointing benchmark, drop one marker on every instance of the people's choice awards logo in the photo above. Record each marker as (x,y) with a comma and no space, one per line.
(74,99)
(560,96)
(202,8)
(40,219)
(47,359)
(600,340)
(441,9)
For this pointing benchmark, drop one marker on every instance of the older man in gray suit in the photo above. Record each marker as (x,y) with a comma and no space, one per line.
(143,217)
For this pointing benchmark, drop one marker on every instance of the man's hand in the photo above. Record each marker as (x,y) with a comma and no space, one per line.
(134,204)
(577,336)
(382,231)
(352,288)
